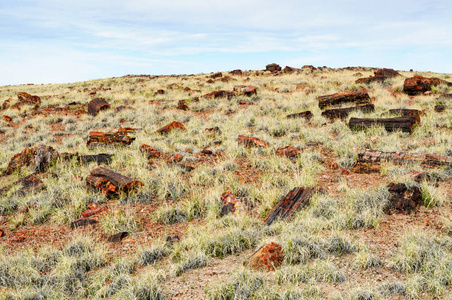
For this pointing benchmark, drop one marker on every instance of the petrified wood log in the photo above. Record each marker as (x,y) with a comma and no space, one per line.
(293,201)
(27,99)
(149,151)
(304,114)
(404,112)
(110,182)
(247,90)
(110,138)
(273,68)
(116,238)
(380,76)
(251,141)
(342,113)
(417,85)
(403,199)
(173,125)
(40,156)
(406,124)
(96,105)
(267,257)
(370,160)
(30,183)
(288,151)
(358,97)
(93,209)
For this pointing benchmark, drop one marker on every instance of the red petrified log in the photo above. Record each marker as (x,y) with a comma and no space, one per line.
(150,152)
(116,138)
(219,94)
(268,257)
(406,124)
(93,209)
(273,68)
(251,141)
(110,182)
(27,99)
(96,105)
(417,85)
(403,199)
(380,76)
(304,114)
(168,128)
(288,151)
(342,113)
(293,201)
(246,90)
(175,158)
(359,97)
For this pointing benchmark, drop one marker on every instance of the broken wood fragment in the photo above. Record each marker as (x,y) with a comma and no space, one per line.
(219,94)
(149,151)
(342,113)
(93,209)
(288,151)
(404,112)
(403,199)
(120,137)
(251,141)
(358,97)
(304,114)
(27,99)
(247,90)
(267,257)
(290,204)
(418,85)
(170,127)
(110,182)
(440,108)
(96,105)
(40,156)
(405,124)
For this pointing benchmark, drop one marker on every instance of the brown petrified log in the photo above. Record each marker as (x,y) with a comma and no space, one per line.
(370,160)
(40,156)
(293,201)
(304,114)
(406,124)
(273,68)
(267,257)
(116,238)
(219,94)
(96,105)
(380,76)
(27,99)
(149,151)
(358,97)
(288,151)
(403,199)
(417,85)
(110,182)
(247,90)
(173,125)
(342,113)
(404,112)
(120,137)
(251,141)
(93,209)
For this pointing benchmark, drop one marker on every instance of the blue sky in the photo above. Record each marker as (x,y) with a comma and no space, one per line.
(54,41)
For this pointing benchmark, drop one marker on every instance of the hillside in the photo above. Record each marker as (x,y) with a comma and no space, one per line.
(166,186)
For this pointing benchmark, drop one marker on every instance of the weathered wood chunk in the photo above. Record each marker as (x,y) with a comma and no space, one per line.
(247,90)
(96,105)
(120,137)
(380,76)
(149,151)
(251,142)
(405,124)
(219,94)
(110,182)
(273,68)
(342,113)
(405,112)
(290,204)
(418,85)
(403,199)
(267,257)
(40,156)
(27,99)
(358,97)
(304,114)
(170,127)
(93,209)
(102,158)
(288,151)
(116,238)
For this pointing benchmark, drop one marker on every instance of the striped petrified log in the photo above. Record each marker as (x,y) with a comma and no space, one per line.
(304,114)
(359,97)
(110,182)
(341,113)
(110,138)
(96,105)
(251,141)
(293,201)
(370,160)
(406,124)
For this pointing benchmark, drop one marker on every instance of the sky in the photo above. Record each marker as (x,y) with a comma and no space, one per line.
(56,41)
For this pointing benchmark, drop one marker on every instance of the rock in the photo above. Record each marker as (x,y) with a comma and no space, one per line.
(181,105)
(82,222)
(268,257)
(2,233)
(273,68)
(403,199)
(120,137)
(219,94)
(380,76)
(246,90)
(177,157)
(288,151)
(440,108)
(309,67)
(251,141)
(93,209)
(96,105)
(304,114)
(150,152)
(110,183)
(160,92)
(170,127)
(215,129)
(40,156)
(7,119)
(27,99)
(417,85)
(121,107)
(289,70)
(216,75)
(237,72)
(227,209)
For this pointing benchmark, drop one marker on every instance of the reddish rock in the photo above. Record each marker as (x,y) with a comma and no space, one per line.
(5,104)
(288,151)
(219,94)
(251,141)
(96,105)
(304,114)
(403,199)
(309,67)
(181,105)
(93,209)
(210,81)
(216,75)
(7,118)
(160,92)
(40,156)
(273,68)
(289,70)
(417,85)
(268,257)
(120,137)
(177,157)
(237,72)
(171,126)
(345,172)
(116,238)
(150,152)
(246,90)
(27,99)
(380,76)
